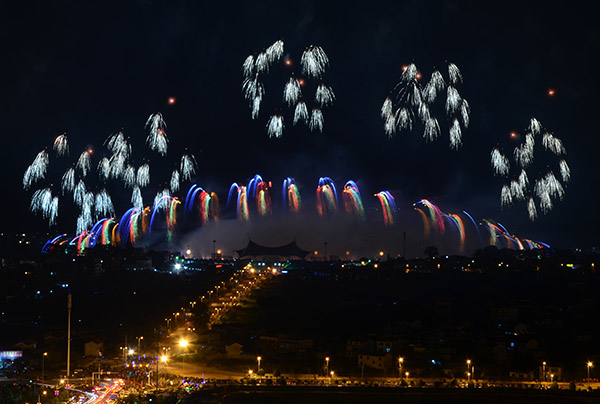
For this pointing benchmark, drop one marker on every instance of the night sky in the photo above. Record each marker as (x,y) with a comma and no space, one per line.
(91,70)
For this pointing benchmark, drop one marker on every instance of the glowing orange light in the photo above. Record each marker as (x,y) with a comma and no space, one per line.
(91,151)
(171,100)
(418,76)
(288,62)
(301,81)
(404,67)
(551,92)
(316,253)
(160,132)
(513,135)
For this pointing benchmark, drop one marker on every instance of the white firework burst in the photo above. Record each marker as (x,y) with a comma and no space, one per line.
(248,66)
(523,180)
(409,73)
(143,175)
(275,51)
(454,74)
(316,120)
(423,111)
(553,144)
(415,97)
(387,109)
(188,167)
(41,202)
(117,165)
(404,119)
(136,198)
(455,135)
(390,125)
(531,209)
(79,193)
(174,183)
(565,171)
(84,222)
(61,145)
(157,137)
(314,61)
(435,85)
(506,196)
(117,144)
(262,63)
(324,95)
(53,211)
(129,177)
(500,163)
(453,100)
(291,91)
(84,162)
(161,200)
(104,169)
(68,181)
(275,126)
(432,129)
(301,113)
(103,205)
(252,88)
(524,153)
(465,111)
(37,170)
(516,190)
(256,106)
(535,127)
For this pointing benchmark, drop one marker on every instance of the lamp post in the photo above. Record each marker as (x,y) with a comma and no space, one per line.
(183,343)
(468,370)
(327,364)
(139,339)
(400,362)
(258,358)
(43,373)
(544,371)
(589,365)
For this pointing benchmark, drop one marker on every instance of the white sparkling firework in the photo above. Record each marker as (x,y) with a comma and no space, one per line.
(84,222)
(104,169)
(565,171)
(404,119)
(291,91)
(553,144)
(423,111)
(136,198)
(157,137)
(314,61)
(53,211)
(390,125)
(535,127)
(160,200)
(117,165)
(256,106)
(103,205)
(117,144)
(188,167)
(79,193)
(432,129)
(387,109)
(453,101)
(275,126)
(129,178)
(516,190)
(435,85)
(455,135)
(262,63)
(531,209)
(275,51)
(301,113)
(68,181)
(252,88)
(43,202)
(61,145)
(523,180)
(547,188)
(410,73)
(174,183)
(465,111)
(143,175)
(454,74)
(500,163)
(248,66)
(84,162)
(37,170)
(324,95)
(524,153)
(316,120)
(506,196)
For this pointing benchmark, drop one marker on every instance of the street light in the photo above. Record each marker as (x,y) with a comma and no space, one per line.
(544,371)
(327,363)
(139,344)
(43,357)
(258,358)
(400,362)
(183,343)
(589,365)
(468,370)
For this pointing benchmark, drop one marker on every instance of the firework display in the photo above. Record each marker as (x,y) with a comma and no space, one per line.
(313,63)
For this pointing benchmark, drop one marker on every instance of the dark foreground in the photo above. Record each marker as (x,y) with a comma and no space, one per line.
(388,396)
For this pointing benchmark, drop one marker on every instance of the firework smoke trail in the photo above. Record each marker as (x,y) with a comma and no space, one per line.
(426,225)
(189,199)
(314,61)
(125,226)
(461,230)
(388,206)
(168,204)
(544,189)
(106,231)
(95,232)
(61,145)
(157,137)
(37,170)
(408,103)
(435,215)
(205,199)
(242,204)
(291,195)
(53,242)
(327,199)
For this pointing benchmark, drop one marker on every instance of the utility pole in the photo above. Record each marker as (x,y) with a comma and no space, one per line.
(69,306)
